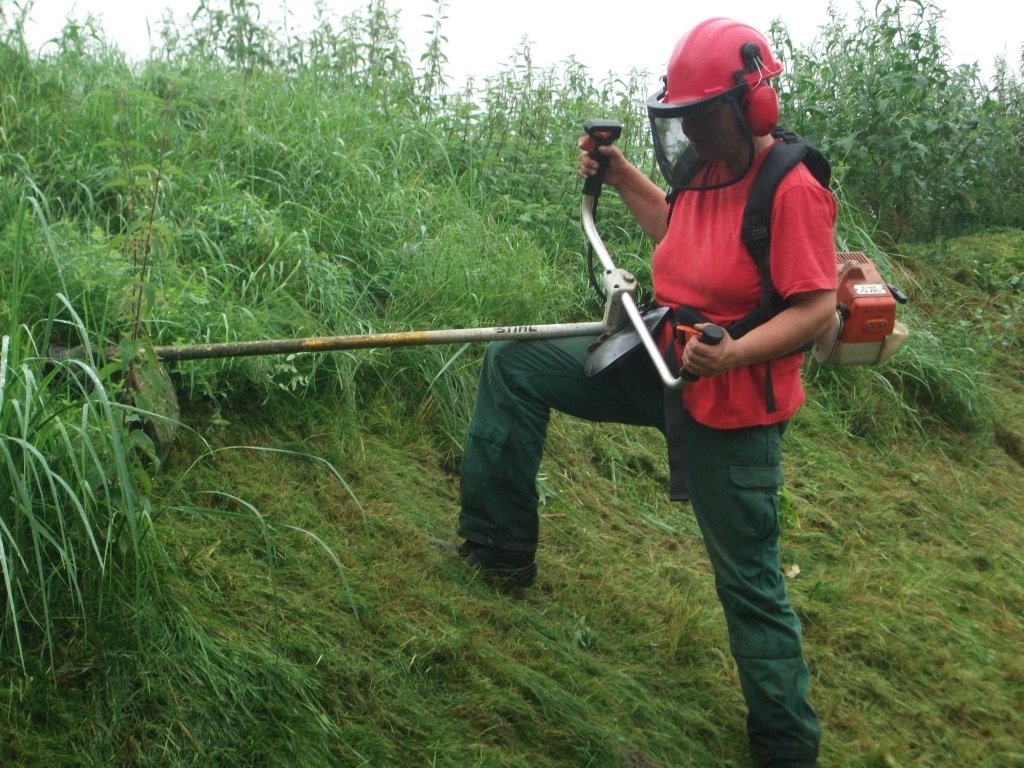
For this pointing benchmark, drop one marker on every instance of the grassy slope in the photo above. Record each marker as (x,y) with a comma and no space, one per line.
(909,553)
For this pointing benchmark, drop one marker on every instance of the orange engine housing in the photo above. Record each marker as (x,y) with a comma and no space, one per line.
(864,330)
(865,301)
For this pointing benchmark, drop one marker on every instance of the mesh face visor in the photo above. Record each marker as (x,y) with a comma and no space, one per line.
(679,158)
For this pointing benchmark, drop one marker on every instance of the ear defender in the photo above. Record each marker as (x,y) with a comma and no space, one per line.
(762,109)
(761,104)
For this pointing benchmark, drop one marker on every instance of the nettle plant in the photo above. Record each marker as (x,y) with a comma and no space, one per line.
(914,139)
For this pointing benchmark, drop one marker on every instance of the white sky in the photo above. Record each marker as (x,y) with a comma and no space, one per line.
(484,34)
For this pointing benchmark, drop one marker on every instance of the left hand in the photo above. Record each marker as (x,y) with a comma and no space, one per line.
(703,360)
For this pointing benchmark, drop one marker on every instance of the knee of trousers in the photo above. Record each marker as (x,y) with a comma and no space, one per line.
(501,359)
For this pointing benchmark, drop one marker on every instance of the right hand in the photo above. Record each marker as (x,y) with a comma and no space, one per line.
(588,166)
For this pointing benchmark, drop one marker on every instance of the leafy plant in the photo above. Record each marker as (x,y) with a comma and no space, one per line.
(911,137)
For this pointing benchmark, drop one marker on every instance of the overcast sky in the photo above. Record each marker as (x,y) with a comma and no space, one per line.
(607,37)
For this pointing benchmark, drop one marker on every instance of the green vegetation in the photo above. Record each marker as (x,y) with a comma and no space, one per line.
(255,580)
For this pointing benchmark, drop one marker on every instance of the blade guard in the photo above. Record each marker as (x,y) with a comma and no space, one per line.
(865,330)
(608,349)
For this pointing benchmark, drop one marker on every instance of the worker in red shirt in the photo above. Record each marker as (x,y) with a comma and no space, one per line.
(718,108)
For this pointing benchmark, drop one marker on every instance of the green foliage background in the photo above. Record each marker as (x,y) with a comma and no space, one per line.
(253,580)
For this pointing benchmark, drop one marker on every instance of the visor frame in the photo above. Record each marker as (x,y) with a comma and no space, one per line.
(656,108)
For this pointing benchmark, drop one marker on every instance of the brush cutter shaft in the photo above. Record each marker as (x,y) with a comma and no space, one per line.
(371,340)
(620,311)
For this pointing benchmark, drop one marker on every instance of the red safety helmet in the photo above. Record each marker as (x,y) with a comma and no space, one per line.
(718,61)
(716,58)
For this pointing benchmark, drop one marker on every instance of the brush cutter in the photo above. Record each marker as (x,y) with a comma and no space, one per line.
(623,328)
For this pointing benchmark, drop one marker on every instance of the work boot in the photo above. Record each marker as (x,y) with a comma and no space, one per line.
(513,569)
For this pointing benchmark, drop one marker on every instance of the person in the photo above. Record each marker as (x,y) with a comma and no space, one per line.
(717,101)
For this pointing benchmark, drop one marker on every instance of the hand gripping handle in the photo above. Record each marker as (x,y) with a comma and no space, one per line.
(603,133)
(711,334)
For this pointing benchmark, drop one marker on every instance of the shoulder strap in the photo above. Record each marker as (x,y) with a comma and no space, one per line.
(757,217)
(757,214)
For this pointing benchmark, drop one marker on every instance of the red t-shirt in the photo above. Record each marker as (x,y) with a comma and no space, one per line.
(702,262)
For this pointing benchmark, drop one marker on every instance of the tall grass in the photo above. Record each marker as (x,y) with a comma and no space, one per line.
(73,535)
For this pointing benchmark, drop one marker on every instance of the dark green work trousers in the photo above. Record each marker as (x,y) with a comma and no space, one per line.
(734,477)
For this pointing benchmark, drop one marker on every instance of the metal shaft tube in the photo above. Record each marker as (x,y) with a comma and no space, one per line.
(371,340)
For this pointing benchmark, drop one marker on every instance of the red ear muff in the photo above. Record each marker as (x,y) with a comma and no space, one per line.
(762,102)
(762,109)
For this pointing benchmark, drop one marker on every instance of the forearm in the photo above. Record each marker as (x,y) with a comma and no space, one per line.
(807,317)
(645,201)
(789,330)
